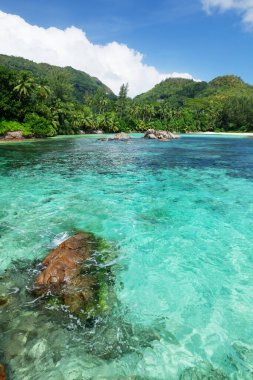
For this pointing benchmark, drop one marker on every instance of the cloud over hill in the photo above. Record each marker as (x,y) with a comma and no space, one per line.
(113,63)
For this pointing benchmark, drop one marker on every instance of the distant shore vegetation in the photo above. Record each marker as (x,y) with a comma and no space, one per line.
(43,101)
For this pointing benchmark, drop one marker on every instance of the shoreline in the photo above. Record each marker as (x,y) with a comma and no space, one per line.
(246,134)
(239,134)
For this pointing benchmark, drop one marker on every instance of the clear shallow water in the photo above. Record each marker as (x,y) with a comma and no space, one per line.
(180,215)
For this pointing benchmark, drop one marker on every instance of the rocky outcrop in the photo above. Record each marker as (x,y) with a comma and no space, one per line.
(2,372)
(121,136)
(117,137)
(17,135)
(160,135)
(70,273)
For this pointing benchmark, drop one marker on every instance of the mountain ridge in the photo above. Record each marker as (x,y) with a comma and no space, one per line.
(83,83)
(177,90)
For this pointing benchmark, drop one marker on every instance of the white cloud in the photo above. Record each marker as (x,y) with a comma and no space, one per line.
(244,7)
(113,63)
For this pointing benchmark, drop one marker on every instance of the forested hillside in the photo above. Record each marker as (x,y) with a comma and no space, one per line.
(177,90)
(225,103)
(173,90)
(43,100)
(81,83)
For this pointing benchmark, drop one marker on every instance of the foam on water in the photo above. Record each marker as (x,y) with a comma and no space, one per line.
(180,214)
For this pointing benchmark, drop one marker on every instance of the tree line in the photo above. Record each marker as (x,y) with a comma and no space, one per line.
(45,106)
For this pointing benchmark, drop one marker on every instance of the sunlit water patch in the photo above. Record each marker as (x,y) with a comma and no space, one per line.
(179,215)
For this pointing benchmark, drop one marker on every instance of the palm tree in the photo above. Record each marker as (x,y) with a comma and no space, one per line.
(26,86)
(44,91)
(91,122)
(134,110)
(78,119)
(57,112)
(109,122)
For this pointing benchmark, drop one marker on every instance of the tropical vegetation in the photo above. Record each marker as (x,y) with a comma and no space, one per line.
(43,100)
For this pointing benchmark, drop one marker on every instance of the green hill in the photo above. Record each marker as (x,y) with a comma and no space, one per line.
(228,85)
(176,91)
(82,83)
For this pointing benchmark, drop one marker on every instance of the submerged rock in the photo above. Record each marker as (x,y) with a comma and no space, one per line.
(242,356)
(41,338)
(3,301)
(2,372)
(160,135)
(38,349)
(16,135)
(71,273)
(103,139)
(204,371)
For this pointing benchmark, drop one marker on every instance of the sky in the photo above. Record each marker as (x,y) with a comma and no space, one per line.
(133,41)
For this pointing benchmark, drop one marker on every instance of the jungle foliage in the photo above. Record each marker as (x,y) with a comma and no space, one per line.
(43,100)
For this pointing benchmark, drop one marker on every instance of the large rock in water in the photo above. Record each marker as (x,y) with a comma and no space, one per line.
(160,135)
(121,136)
(16,135)
(69,274)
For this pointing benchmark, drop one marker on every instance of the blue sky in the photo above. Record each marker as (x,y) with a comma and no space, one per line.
(173,36)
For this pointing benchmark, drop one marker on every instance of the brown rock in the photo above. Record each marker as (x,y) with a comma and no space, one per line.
(63,263)
(2,372)
(62,273)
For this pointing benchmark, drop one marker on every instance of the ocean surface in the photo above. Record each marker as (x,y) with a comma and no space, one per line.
(179,214)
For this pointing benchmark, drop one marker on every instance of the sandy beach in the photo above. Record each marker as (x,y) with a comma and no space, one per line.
(247,134)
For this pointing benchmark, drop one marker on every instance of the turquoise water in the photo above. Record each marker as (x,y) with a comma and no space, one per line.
(180,216)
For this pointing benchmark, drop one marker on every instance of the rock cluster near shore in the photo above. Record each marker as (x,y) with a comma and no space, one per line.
(117,137)
(160,135)
(121,136)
